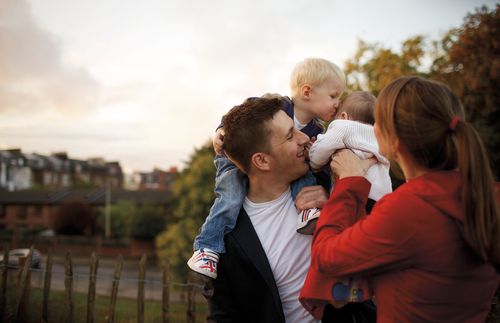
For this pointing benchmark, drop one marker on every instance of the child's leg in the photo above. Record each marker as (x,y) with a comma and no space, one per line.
(306,180)
(230,192)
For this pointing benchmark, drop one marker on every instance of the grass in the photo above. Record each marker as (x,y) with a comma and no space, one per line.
(126,309)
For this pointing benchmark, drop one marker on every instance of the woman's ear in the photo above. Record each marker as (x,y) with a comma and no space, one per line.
(260,161)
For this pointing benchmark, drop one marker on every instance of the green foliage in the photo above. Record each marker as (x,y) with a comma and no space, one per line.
(147,222)
(84,185)
(121,215)
(192,197)
(130,221)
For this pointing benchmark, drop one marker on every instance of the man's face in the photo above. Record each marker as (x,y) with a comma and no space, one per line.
(325,99)
(287,148)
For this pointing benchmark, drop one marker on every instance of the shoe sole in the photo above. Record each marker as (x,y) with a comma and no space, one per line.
(309,227)
(201,271)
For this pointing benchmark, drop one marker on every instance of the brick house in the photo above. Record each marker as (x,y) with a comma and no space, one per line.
(37,209)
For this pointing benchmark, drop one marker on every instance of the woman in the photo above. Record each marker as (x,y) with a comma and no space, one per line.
(431,248)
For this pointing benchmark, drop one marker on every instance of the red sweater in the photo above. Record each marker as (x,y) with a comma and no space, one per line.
(410,246)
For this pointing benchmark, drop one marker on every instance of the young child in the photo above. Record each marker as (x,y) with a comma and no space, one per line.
(352,129)
(316,86)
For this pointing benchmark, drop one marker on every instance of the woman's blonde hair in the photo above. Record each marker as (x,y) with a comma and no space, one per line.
(313,71)
(418,112)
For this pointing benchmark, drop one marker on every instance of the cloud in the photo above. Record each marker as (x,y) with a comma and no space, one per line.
(33,75)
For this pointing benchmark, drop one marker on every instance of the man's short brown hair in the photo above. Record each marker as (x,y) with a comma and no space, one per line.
(247,131)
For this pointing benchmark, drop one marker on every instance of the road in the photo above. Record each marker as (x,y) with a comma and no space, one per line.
(128,281)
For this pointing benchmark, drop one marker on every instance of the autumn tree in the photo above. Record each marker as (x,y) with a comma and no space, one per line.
(470,64)
(191,199)
(374,66)
(467,58)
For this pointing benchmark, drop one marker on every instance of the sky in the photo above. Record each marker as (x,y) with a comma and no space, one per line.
(146,82)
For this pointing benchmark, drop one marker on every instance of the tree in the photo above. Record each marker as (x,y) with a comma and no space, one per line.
(466,58)
(147,222)
(374,66)
(75,217)
(120,215)
(470,64)
(191,199)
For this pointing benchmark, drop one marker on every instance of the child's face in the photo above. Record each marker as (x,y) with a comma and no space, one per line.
(324,99)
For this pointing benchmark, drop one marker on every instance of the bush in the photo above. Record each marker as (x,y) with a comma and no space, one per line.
(75,217)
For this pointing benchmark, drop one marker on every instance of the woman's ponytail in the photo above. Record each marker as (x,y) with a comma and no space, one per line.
(482,224)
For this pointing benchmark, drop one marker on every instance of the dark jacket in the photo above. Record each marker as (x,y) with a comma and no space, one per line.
(245,290)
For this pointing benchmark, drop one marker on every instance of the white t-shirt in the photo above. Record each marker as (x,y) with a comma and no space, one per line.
(288,252)
(297,124)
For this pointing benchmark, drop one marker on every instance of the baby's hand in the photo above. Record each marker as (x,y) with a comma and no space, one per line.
(308,147)
(218,141)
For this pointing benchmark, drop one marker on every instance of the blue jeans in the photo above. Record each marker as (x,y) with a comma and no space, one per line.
(231,187)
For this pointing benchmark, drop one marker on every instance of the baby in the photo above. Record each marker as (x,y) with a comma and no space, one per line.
(351,129)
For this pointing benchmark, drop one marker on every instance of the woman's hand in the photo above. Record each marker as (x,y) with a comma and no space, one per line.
(311,197)
(346,164)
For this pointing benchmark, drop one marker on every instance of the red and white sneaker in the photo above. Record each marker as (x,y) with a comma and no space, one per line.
(306,220)
(204,261)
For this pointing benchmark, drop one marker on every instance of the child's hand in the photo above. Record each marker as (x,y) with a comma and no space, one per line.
(218,141)
(308,147)
(310,197)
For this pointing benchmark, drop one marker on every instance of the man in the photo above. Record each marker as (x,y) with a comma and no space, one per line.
(266,260)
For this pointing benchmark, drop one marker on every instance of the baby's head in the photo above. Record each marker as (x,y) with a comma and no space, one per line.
(357,106)
(316,85)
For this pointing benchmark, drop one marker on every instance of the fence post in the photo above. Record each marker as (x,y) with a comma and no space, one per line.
(166,293)
(22,305)
(46,287)
(140,289)
(68,285)
(94,262)
(114,289)
(191,307)
(3,292)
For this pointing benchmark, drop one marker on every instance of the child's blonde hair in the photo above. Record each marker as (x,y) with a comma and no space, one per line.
(313,71)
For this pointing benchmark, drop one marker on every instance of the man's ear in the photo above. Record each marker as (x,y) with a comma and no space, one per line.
(305,91)
(260,161)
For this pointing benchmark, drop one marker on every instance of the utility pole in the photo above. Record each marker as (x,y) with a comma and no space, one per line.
(107,209)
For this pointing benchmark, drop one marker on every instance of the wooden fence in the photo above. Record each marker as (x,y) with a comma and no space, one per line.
(22,306)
